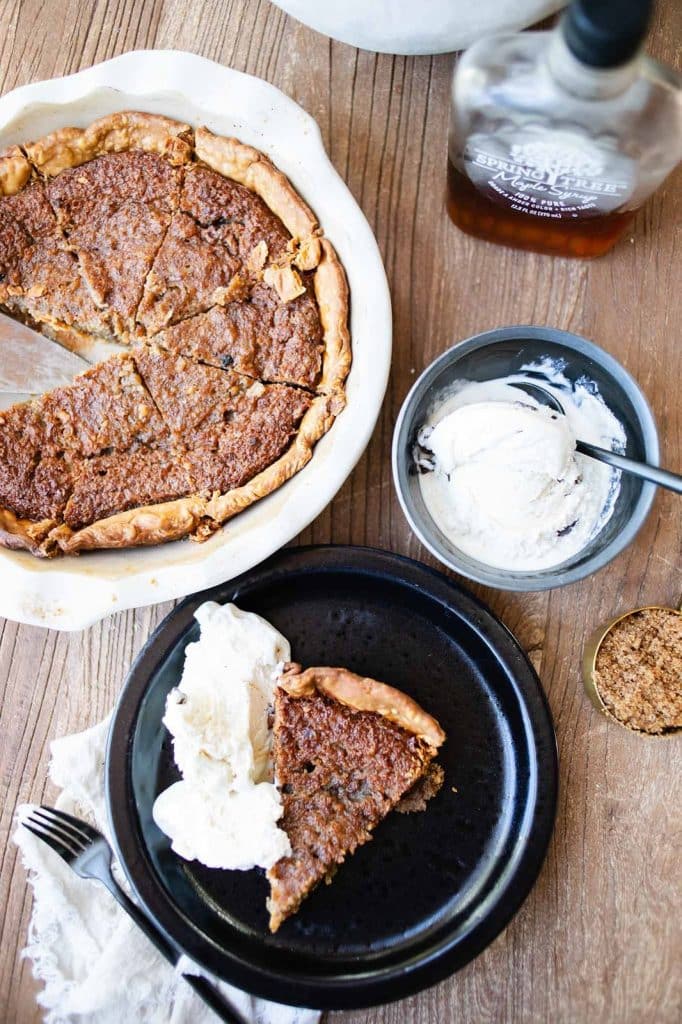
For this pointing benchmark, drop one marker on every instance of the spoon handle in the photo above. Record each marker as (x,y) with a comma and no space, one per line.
(662,477)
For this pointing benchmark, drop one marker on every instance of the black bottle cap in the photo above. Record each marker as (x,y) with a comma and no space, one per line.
(606,33)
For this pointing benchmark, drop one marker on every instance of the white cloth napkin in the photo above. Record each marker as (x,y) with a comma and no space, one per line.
(97,967)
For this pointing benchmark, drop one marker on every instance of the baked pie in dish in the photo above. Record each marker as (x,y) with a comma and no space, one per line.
(195,255)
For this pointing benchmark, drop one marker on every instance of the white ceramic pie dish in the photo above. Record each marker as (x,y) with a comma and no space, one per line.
(71,593)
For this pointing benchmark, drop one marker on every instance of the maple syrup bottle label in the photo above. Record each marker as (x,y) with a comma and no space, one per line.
(554,174)
(557,138)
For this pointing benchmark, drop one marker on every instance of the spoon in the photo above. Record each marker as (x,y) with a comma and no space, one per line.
(661,477)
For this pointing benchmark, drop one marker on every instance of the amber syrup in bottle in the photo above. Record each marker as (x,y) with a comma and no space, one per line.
(475,213)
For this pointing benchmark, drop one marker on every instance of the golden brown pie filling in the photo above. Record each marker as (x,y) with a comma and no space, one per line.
(194,252)
(347,750)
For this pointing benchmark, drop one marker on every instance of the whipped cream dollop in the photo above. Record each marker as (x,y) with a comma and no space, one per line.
(503,480)
(225,809)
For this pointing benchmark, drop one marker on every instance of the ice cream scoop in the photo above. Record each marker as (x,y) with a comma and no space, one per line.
(225,808)
(506,484)
(506,459)
(658,476)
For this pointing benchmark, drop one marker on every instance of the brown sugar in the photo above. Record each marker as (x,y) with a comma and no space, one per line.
(638,671)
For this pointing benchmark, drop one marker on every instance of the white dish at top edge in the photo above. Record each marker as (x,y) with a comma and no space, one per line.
(403,26)
(71,593)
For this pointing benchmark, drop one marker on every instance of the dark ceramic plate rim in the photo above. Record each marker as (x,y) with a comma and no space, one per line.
(334,990)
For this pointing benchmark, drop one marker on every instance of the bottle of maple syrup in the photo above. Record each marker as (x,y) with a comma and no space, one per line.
(557,138)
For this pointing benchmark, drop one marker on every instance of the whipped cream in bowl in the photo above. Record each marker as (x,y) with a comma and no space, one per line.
(489,477)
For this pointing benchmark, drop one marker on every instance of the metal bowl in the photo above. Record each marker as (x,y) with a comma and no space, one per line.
(498,353)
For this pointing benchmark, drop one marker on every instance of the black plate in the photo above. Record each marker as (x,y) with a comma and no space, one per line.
(432,889)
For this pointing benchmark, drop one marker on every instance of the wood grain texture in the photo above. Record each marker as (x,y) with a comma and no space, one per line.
(600,937)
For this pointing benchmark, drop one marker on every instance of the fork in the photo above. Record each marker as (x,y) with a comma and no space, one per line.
(88,853)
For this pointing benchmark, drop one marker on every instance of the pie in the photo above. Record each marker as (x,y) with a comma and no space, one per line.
(195,256)
(347,750)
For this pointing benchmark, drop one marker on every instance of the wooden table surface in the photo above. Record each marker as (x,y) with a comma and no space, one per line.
(600,937)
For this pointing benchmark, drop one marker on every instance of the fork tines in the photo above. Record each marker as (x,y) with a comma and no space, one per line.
(68,836)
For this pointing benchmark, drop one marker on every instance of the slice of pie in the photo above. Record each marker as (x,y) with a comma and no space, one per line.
(219,235)
(40,279)
(347,750)
(259,336)
(114,213)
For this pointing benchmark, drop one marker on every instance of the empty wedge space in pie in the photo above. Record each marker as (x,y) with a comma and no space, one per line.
(195,255)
